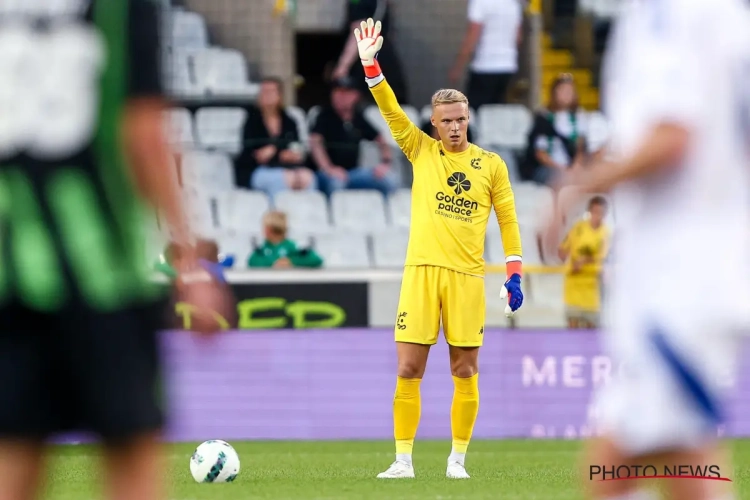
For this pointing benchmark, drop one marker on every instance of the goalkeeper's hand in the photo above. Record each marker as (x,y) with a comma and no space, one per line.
(369,43)
(512,291)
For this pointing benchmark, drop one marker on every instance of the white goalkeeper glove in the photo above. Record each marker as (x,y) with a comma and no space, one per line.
(369,43)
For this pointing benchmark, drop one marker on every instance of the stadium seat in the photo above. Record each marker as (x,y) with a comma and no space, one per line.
(606,9)
(212,171)
(178,77)
(505,125)
(598,131)
(201,208)
(298,115)
(533,202)
(223,72)
(360,211)
(369,154)
(373,115)
(343,250)
(307,211)
(180,128)
(188,30)
(242,211)
(530,245)
(399,208)
(220,128)
(389,248)
(239,245)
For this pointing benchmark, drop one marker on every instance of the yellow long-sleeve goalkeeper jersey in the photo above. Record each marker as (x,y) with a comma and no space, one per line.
(452,196)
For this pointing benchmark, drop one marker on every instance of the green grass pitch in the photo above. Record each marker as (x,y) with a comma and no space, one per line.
(511,470)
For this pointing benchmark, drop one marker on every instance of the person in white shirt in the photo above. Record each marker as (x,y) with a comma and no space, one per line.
(493,37)
(677,97)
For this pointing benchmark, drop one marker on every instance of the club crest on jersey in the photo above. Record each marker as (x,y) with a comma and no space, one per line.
(459,182)
(475,164)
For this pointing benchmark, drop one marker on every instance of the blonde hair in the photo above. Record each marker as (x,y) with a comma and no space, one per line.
(449,96)
(276,220)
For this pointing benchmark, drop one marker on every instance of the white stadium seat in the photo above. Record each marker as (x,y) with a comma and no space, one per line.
(533,202)
(239,245)
(389,248)
(178,77)
(242,211)
(307,211)
(223,72)
(188,30)
(505,125)
(360,211)
(598,131)
(399,207)
(212,171)
(343,250)
(180,128)
(221,128)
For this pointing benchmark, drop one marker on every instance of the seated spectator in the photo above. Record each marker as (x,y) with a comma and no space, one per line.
(584,251)
(279,252)
(556,141)
(334,145)
(272,141)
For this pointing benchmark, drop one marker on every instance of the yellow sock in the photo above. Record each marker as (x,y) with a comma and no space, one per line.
(407,407)
(464,411)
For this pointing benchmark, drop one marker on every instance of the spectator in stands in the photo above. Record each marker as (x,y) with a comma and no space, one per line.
(334,145)
(557,138)
(584,251)
(493,37)
(358,11)
(272,141)
(278,251)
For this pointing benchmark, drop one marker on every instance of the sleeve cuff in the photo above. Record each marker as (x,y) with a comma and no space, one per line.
(513,265)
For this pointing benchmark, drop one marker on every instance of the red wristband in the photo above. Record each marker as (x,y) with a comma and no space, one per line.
(513,267)
(373,71)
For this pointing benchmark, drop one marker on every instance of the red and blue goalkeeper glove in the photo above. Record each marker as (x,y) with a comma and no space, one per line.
(512,288)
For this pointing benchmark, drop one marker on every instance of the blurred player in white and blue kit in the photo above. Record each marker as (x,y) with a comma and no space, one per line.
(676,83)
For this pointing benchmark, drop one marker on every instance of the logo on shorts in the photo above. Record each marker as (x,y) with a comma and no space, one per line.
(475,164)
(401,321)
(481,330)
(459,182)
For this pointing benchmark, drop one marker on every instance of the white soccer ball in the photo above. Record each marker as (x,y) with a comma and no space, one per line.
(214,461)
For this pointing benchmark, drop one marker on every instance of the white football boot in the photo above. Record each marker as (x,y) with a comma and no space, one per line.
(456,470)
(398,470)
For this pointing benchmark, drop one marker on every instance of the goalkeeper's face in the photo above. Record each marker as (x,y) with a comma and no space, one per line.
(452,123)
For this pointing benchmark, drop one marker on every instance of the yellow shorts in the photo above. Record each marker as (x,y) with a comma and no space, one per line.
(429,294)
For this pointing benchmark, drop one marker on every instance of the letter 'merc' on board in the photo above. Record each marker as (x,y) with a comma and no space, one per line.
(570,372)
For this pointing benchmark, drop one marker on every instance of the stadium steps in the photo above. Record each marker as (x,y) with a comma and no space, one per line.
(556,61)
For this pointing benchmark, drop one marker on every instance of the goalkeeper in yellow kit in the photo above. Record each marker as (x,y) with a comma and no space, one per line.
(456,184)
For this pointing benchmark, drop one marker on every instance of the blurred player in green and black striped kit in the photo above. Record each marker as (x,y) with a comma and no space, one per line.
(81,145)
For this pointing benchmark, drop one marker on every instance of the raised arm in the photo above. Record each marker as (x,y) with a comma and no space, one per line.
(407,135)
